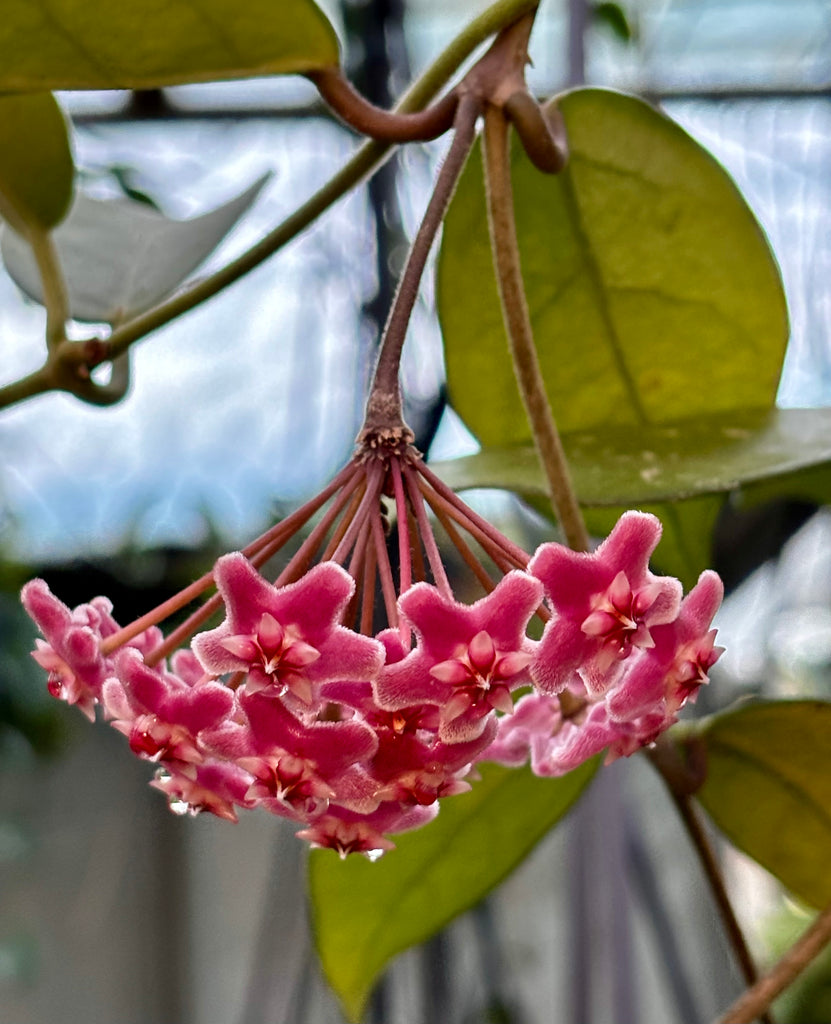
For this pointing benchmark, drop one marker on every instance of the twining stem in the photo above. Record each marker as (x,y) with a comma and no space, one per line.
(518,327)
(665,758)
(383,409)
(375,122)
(757,999)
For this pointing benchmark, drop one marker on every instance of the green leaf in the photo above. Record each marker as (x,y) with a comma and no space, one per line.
(36,168)
(613,17)
(365,913)
(682,472)
(121,257)
(709,455)
(146,44)
(768,789)
(652,290)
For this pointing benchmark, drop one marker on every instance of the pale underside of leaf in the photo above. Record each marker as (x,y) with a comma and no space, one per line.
(121,257)
(146,44)
(682,472)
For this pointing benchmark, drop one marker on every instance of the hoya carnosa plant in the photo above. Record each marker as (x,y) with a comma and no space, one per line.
(355,721)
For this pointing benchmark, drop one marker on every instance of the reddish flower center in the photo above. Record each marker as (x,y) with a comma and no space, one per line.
(481,675)
(617,617)
(277,653)
(157,740)
(290,779)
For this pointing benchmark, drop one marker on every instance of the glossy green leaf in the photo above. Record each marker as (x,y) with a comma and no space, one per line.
(363,913)
(121,257)
(681,472)
(36,168)
(652,290)
(642,465)
(768,789)
(146,44)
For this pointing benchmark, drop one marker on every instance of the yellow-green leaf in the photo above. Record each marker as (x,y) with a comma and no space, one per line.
(681,472)
(363,914)
(652,290)
(768,789)
(36,168)
(146,44)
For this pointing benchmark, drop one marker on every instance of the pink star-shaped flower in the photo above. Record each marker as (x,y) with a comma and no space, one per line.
(304,766)
(534,715)
(169,713)
(215,786)
(605,604)
(71,654)
(467,659)
(347,832)
(288,639)
(684,651)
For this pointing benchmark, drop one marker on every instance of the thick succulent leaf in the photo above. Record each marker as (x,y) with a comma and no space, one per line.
(36,168)
(768,789)
(121,257)
(681,472)
(643,465)
(364,913)
(652,290)
(146,44)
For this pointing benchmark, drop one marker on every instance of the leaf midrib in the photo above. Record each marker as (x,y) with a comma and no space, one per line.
(596,283)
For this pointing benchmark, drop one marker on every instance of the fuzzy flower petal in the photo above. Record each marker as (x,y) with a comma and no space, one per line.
(467,659)
(605,605)
(287,638)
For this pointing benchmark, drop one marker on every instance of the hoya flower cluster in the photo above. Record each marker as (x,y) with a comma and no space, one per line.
(299,703)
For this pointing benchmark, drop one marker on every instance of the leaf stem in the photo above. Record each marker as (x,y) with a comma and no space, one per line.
(665,757)
(36,383)
(520,334)
(756,1000)
(55,294)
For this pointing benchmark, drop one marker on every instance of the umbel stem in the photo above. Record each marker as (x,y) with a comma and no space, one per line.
(383,412)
